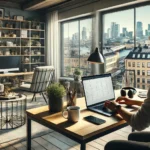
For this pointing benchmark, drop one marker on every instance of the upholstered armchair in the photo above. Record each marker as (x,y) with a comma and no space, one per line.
(42,77)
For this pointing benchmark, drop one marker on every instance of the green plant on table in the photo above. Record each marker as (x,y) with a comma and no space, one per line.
(56,90)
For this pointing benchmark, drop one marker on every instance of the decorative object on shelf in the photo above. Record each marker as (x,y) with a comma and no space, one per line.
(32,60)
(38,25)
(29,43)
(1,88)
(38,43)
(77,74)
(25,52)
(24,33)
(1,23)
(38,52)
(15,17)
(21,18)
(25,69)
(1,13)
(57,97)
(32,52)
(9,43)
(7,52)
(1,52)
(26,60)
(6,17)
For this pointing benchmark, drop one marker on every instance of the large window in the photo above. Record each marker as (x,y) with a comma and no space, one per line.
(124,29)
(76,45)
(142,25)
(118,40)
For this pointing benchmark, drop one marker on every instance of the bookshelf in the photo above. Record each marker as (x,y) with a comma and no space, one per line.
(25,39)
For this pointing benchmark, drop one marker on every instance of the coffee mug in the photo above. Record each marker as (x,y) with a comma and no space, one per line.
(73,113)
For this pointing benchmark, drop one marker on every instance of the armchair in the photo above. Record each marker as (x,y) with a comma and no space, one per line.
(42,77)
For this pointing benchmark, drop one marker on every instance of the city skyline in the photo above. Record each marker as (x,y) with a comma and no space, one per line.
(73,27)
(126,18)
(115,31)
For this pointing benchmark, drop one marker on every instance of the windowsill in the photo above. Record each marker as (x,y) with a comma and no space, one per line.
(66,79)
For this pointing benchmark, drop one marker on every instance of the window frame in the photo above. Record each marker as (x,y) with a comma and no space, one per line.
(61,39)
(133,6)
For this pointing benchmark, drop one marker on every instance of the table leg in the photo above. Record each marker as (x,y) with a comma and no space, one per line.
(28,133)
(83,146)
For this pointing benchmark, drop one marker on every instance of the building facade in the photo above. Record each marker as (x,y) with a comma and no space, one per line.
(139,61)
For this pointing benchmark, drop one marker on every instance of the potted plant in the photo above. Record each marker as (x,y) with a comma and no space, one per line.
(77,74)
(57,97)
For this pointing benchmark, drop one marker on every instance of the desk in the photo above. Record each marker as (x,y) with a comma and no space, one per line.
(82,131)
(16,74)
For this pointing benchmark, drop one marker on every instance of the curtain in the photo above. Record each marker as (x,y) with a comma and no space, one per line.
(52,51)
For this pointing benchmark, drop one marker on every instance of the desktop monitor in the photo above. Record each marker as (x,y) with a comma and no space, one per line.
(10,63)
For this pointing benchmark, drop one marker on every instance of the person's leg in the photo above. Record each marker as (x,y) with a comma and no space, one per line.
(126,145)
(143,136)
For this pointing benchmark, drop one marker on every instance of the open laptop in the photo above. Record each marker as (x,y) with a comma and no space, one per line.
(98,89)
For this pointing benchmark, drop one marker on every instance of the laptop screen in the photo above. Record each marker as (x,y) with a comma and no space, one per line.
(98,88)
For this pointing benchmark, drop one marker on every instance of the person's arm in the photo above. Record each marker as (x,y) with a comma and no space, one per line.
(125,114)
(127,101)
(122,111)
(139,120)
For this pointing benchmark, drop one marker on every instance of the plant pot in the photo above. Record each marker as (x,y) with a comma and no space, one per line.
(57,105)
(77,77)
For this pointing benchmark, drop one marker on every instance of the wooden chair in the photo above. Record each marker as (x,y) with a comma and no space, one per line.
(42,77)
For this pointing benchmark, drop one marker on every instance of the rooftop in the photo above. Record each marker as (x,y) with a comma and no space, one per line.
(139,53)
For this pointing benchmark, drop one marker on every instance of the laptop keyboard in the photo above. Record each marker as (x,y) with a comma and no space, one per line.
(99,107)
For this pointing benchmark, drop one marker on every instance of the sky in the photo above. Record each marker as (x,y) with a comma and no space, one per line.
(72,27)
(126,18)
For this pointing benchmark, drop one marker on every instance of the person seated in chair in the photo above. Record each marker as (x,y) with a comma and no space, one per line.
(138,121)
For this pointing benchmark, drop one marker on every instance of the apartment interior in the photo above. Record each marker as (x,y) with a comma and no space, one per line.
(56,37)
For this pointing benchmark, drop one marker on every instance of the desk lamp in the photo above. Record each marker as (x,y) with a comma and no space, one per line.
(96,57)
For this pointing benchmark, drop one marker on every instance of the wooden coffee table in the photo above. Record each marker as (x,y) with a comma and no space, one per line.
(82,131)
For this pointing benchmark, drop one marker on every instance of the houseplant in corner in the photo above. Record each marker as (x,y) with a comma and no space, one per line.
(57,97)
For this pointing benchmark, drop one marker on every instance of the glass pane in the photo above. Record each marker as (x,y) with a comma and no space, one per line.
(70,47)
(118,41)
(142,26)
(85,44)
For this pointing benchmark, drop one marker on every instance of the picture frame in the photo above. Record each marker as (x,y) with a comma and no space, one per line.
(21,18)
(1,13)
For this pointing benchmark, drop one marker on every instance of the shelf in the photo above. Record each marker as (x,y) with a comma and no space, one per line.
(5,28)
(9,28)
(31,38)
(9,55)
(36,29)
(33,55)
(34,63)
(9,37)
(10,46)
(34,46)
(14,20)
(33,34)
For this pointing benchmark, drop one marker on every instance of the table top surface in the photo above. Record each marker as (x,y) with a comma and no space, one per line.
(82,129)
(17,98)
(16,74)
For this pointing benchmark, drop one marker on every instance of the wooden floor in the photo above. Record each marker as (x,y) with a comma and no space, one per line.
(56,141)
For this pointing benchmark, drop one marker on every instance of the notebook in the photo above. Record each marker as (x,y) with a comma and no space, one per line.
(97,90)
